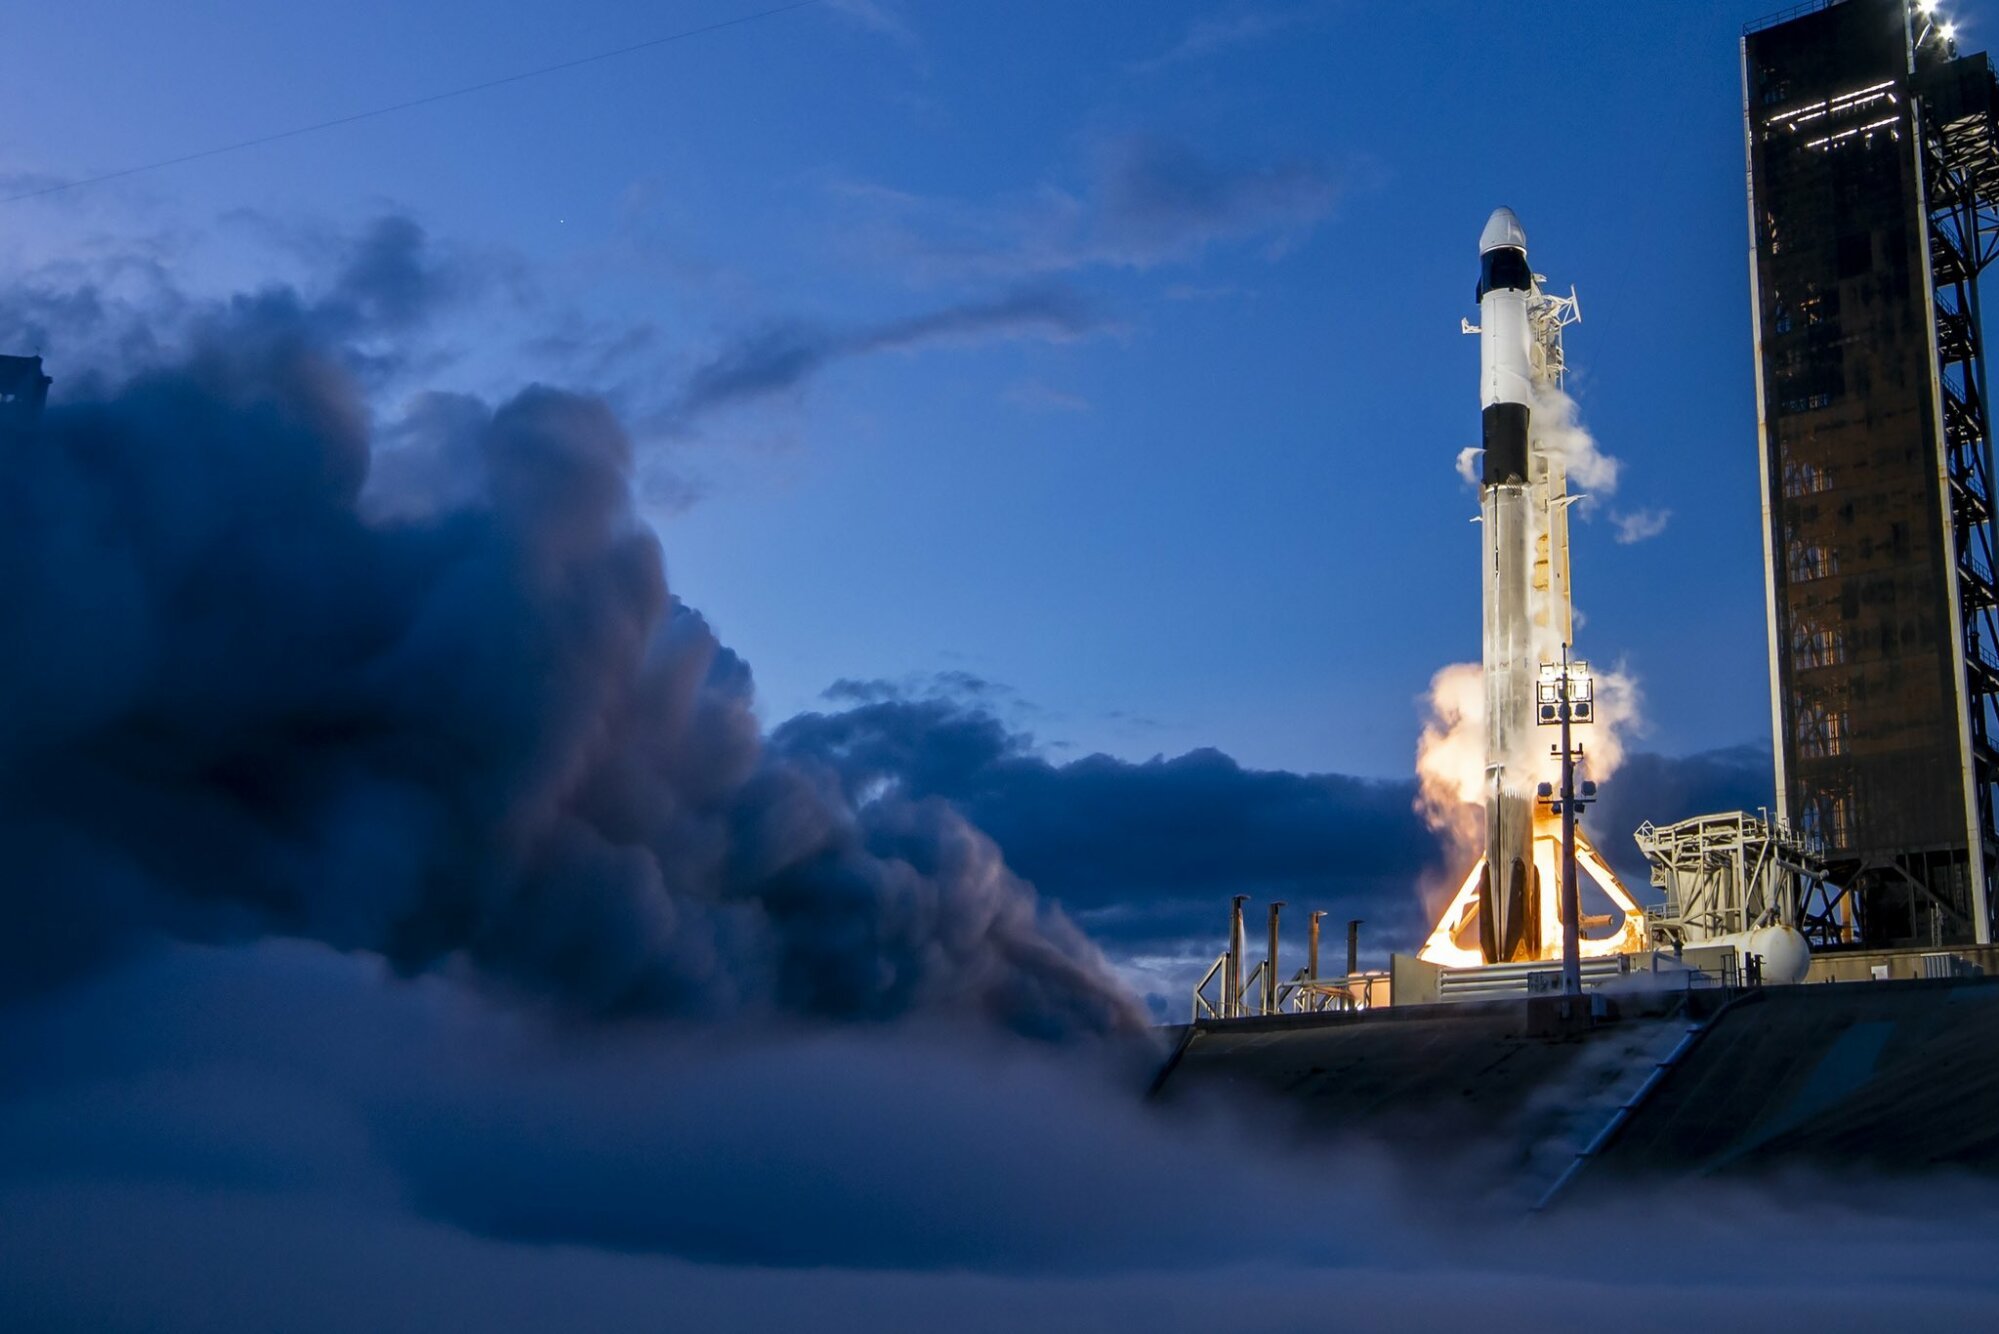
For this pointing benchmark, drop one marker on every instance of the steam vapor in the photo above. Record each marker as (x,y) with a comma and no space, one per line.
(451,715)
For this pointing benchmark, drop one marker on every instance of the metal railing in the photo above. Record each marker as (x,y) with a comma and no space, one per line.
(1786,15)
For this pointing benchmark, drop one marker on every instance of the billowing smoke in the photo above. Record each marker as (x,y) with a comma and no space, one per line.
(1450,760)
(452,715)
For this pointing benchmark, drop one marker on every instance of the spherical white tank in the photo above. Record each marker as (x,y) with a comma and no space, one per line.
(1786,955)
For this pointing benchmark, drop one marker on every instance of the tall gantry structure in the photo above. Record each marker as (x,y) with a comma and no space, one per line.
(1873,149)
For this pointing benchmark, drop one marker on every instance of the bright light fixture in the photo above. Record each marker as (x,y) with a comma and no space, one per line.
(1927,7)
(1949,31)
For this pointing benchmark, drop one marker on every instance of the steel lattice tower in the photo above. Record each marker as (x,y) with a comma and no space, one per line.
(1873,152)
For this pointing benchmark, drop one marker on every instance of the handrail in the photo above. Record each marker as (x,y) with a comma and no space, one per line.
(1201,1002)
(1786,15)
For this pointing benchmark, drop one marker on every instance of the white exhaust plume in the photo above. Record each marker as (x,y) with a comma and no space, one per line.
(1450,759)
(1558,431)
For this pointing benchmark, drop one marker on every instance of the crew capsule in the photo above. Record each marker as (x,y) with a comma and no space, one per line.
(1502,254)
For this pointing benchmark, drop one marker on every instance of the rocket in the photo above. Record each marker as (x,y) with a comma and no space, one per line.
(1510,899)
(1509,891)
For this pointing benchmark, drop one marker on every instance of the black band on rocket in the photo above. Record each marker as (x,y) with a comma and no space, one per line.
(1504,269)
(1505,443)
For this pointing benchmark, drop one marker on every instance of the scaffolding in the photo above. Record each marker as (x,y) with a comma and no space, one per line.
(1732,872)
(1873,154)
(1226,992)
(1956,110)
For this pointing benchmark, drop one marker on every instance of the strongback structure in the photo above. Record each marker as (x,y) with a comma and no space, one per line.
(1873,185)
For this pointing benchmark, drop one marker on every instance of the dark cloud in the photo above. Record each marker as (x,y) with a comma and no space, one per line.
(21,184)
(390,280)
(850,690)
(1148,200)
(1146,854)
(371,292)
(954,684)
(465,725)
(779,358)
(1162,200)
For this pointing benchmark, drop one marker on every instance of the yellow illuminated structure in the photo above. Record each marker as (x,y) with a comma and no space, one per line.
(1453,943)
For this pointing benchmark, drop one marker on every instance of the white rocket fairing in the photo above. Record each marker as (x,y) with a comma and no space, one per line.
(1509,895)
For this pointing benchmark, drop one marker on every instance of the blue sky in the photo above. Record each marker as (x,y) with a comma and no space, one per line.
(1108,352)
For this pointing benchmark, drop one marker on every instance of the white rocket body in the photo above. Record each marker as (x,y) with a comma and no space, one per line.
(1510,914)
(1511,896)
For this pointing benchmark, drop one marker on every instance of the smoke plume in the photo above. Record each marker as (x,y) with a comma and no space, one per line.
(1558,430)
(452,716)
(1450,760)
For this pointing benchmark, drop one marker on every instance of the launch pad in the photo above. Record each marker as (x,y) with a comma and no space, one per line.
(1675,1043)
(1538,892)
(1539,1101)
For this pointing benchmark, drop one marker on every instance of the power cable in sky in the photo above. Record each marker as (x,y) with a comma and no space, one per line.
(426,100)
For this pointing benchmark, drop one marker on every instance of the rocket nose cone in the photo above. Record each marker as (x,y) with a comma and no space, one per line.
(1502,229)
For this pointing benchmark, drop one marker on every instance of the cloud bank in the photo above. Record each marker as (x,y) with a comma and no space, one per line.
(1145,855)
(282,1136)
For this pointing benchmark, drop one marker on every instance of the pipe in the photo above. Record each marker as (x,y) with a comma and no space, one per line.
(1353,946)
(1312,947)
(1270,964)
(1232,1000)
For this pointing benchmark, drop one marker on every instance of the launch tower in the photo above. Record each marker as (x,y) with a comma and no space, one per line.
(1873,150)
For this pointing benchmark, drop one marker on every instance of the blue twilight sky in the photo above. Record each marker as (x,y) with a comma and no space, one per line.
(1106,351)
